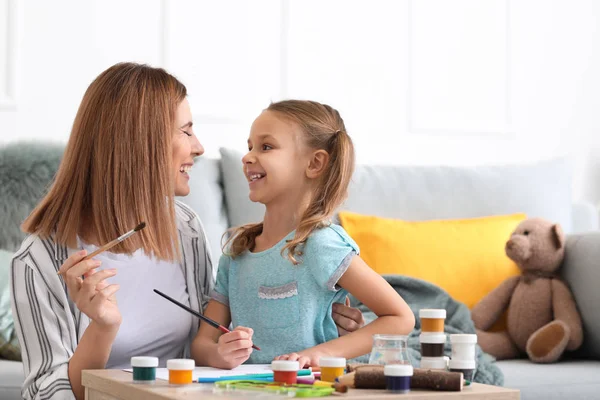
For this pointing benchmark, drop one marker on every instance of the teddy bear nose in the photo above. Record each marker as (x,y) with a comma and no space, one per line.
(510,244)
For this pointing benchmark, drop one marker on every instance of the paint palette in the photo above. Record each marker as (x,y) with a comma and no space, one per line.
(297,390)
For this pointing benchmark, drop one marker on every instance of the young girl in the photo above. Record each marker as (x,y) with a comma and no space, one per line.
(280,277)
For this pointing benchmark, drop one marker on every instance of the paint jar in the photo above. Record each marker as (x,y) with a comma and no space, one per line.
(432,344)
(389,349)
(434,363)
(397,377)
(144,369)
(463,346)
(432,320)
(285,371)
(331,368)
(180,370)
(467,367)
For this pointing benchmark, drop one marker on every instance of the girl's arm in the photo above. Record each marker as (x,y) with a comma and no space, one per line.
(215,349)
(394,316)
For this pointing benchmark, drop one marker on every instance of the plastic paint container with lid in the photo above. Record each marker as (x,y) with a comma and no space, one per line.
(180,370)
(464,366)
(463,346)
(434,363)
(331,368)
(432,320)
(285,371)
(144,369)
(432,344)
(397,377)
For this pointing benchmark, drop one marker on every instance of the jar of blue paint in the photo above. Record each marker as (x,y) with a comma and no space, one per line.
(144,369)
(397,377)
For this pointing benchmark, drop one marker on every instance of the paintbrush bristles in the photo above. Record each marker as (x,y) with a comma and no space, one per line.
(140,227)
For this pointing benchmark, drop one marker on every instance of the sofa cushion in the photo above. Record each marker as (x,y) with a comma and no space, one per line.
(442,252)
(206,199)
(6,319)
(429,193)
(9,344)
(581,270)
(11,379)
(240,209)
(564,380)
(541,189)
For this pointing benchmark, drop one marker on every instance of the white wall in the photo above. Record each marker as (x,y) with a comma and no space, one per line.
(417,81)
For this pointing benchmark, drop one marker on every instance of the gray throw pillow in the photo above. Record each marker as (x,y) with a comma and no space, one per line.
(26,171)
(240,209)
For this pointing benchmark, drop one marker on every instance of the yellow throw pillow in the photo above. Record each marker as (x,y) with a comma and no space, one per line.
(465,257)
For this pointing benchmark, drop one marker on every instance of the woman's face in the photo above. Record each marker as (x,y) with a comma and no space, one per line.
(185,147)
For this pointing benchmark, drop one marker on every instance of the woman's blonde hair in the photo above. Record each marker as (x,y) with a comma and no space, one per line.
(116,170)
(323,129)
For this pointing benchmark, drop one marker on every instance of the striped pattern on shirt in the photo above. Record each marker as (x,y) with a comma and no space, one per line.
(49,325)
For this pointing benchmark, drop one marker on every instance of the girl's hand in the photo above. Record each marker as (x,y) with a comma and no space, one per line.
(92,295)
(306,358)
(235,347)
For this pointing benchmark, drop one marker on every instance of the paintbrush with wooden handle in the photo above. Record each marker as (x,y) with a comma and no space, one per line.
(112,243)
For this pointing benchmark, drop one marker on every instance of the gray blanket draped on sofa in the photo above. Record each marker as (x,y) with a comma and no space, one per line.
(420,294)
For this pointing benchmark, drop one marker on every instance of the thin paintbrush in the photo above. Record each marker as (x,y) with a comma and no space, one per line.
(197,314)
(113,243)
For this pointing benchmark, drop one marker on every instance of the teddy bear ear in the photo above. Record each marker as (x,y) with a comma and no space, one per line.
(558,236)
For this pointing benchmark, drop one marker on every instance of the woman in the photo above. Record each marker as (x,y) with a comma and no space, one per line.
(128,156)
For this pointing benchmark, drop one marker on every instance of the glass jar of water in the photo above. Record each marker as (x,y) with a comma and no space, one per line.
(389,349)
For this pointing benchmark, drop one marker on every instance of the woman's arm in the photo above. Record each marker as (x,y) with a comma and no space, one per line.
(394,315)
(44,350)
(212,348)
(347,318)
(92,352)
(52,357)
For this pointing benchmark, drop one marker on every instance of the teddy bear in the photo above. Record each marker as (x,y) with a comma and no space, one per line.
(542,317)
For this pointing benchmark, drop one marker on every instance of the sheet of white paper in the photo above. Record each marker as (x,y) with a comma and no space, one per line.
(208,372)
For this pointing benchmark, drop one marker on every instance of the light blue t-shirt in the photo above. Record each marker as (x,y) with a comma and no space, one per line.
(288,306)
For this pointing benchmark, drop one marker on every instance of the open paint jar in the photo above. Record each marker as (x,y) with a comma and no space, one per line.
(331,368)
(389,349)
(432,319)
(397,377)
(432,344)
(144,369)
(285,371)
(180,370)
(434,363)
(467,367)
(463,346)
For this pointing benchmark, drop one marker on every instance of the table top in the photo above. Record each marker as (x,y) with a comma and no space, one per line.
(119,384)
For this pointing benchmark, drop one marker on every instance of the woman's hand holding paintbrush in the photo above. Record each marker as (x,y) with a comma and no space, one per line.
(92,295)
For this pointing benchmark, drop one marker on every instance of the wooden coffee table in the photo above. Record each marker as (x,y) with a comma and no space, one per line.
(118,385)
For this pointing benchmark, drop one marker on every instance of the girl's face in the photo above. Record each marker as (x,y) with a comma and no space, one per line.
(277,158)
(185,147)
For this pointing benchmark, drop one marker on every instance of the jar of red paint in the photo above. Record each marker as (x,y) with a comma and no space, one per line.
(285,371)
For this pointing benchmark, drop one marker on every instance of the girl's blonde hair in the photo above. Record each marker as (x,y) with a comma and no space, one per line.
(117,167)
(323,129)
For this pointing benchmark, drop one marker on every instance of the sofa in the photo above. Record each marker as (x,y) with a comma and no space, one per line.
(219,194)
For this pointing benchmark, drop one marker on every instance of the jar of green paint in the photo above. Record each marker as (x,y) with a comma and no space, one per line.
(144,369)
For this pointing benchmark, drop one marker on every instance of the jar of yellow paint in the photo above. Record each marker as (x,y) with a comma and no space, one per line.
(180,370)
(331,368)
